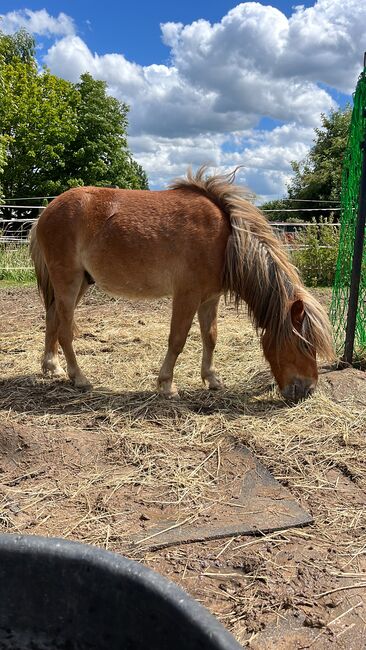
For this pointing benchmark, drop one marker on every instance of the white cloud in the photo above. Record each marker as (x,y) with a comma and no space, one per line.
(326,43)
(165,158)
(264,156)
(323,43)
(162,102)
(37,22)
(206,104)
(70,57)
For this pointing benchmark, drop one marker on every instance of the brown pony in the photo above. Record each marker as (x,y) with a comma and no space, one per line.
(195,241)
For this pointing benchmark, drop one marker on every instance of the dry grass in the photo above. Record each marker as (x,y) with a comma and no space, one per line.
(99,467)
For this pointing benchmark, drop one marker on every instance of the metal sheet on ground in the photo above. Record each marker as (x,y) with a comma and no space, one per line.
(256,504)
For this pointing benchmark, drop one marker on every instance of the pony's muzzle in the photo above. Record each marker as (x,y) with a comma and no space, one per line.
(299,389)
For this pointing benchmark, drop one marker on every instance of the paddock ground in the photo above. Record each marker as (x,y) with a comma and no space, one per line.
(103,466)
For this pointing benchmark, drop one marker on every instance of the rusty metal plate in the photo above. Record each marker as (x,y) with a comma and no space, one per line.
(254,503)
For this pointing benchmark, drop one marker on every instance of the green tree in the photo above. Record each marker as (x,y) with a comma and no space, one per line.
(20,45)
(55,134)
(2,164)
(99,154)
(318,176)
(38,122)
(275,210)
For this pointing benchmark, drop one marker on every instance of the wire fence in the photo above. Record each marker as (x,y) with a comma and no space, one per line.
(16,220)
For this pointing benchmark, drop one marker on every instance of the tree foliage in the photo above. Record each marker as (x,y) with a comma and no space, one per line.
(19,46)
(38,123)
(99,153)
(55,134)
(276,210)
(318,176)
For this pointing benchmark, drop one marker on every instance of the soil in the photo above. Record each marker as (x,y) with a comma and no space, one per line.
(94,467)
(350,381)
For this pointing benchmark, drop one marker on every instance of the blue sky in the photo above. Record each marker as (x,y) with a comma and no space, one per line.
(218,82)
(133,28)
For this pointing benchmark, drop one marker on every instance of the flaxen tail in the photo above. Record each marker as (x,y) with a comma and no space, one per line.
(45,287)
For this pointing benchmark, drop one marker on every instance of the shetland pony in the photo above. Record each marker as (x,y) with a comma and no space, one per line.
(196,241)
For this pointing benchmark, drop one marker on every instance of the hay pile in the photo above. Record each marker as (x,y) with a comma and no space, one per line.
(99,467)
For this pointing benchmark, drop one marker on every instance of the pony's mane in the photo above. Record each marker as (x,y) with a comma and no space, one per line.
(257,269)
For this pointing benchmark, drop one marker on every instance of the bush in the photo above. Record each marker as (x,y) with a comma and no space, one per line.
(316,253)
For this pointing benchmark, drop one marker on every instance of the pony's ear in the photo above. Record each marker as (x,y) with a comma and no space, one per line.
(297,314)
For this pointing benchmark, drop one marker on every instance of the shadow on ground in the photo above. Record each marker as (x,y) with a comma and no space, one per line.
(36,395)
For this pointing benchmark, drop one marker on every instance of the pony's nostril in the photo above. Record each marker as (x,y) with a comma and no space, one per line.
(289,393)
(298,390)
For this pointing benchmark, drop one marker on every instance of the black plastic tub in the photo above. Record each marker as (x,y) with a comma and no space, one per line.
(60,595)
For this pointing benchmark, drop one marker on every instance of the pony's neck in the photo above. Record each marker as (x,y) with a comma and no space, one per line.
(259,273)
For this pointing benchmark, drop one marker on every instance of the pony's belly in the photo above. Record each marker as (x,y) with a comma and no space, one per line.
(136,269)
(136,286)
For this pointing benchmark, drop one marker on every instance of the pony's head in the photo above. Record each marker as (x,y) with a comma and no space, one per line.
(293,355)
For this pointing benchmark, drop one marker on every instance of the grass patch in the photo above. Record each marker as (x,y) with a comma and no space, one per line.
(15,264)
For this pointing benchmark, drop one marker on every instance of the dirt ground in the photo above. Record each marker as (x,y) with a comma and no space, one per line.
(104,466)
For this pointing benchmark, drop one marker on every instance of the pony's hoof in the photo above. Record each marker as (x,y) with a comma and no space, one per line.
(168,390)
(58,373)
(82,384)
(213,383)
(53,370)
(170,394)
(173,395)
(216,385)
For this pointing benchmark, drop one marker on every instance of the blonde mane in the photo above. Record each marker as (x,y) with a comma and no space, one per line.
(258,271)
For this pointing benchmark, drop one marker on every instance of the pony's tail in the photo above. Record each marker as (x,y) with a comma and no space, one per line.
(44,284)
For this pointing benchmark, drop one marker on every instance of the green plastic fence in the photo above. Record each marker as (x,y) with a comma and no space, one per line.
(351,176)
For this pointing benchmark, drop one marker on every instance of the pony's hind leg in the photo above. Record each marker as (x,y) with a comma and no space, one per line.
(68,292)
(207,316)
(50,361)
(184,308)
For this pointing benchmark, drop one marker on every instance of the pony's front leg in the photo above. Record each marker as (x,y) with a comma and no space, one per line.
(184,308)
(207,316)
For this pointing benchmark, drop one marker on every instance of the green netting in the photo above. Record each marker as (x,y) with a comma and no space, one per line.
(351,176)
